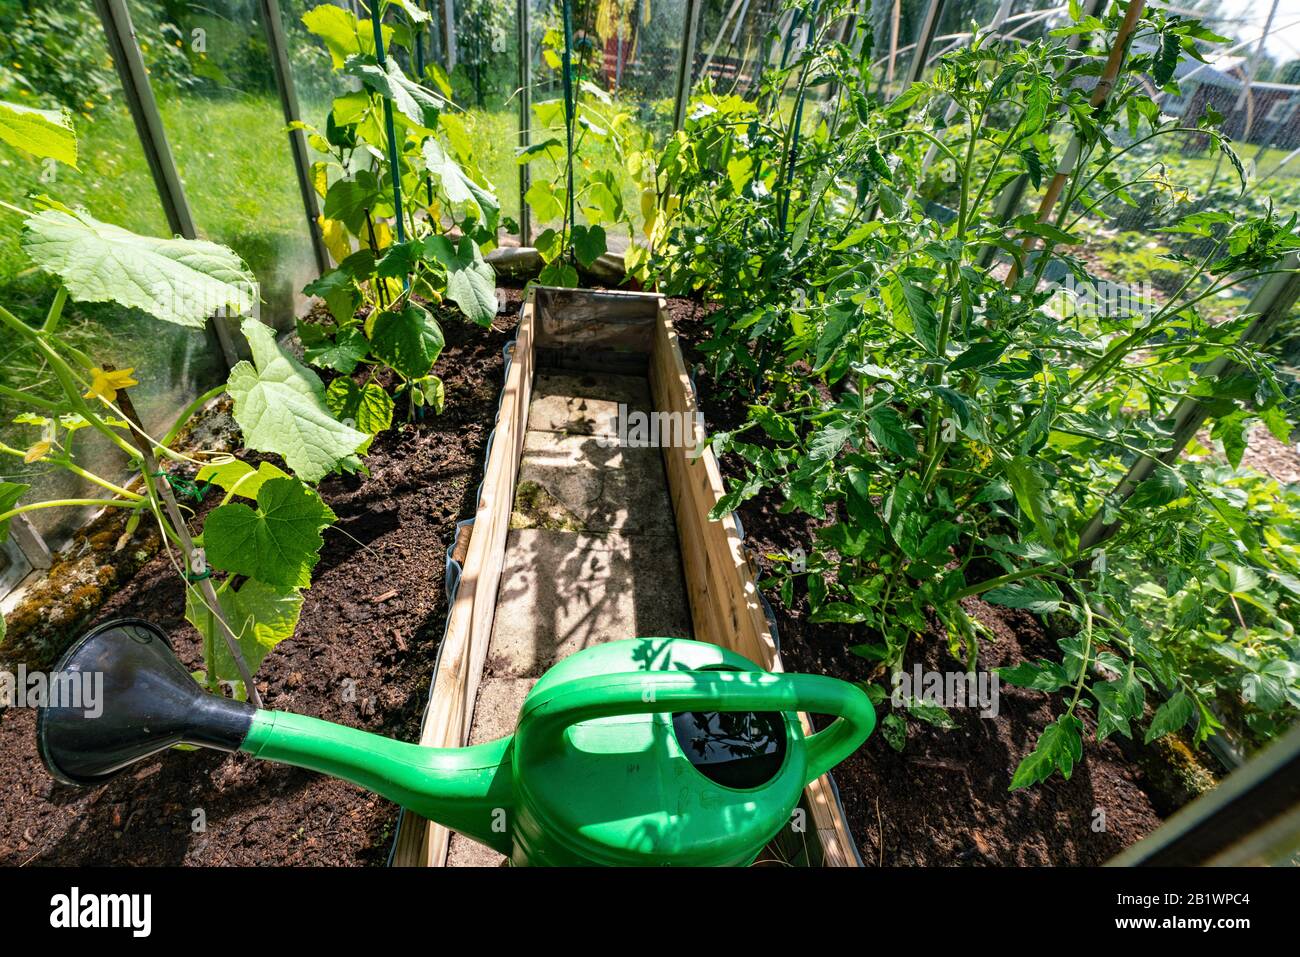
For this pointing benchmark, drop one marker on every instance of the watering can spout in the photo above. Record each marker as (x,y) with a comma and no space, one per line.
(465,789)
(148,702)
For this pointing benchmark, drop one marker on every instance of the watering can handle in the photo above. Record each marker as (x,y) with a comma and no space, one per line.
(545,717)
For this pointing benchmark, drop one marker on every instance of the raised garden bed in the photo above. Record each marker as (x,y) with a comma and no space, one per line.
(581,538)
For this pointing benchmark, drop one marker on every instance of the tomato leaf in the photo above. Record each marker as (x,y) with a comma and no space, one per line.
(1170,716)
(889,432)
(1059,747)
(1040,597)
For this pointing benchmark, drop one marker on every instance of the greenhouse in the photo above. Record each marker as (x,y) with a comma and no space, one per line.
(801,433)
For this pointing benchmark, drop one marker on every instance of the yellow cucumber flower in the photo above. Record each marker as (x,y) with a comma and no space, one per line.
(106,384)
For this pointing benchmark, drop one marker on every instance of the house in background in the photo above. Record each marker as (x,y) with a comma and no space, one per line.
(1269,114)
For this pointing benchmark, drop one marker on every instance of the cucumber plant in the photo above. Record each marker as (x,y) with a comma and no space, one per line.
(581,161)
(407,215)
(245,572)
(950,424)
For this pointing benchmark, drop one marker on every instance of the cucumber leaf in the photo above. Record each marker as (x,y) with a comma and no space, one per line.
(183,281)
(260,615)
(240,477)
(461,191)
(44,133)
(342,354)
(280,406)
(471,282)
(410,340)
(10,493)
(416,103)
(368,407)
(278,542)
(342,33)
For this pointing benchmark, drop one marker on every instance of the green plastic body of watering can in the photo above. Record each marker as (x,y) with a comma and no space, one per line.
(639,752)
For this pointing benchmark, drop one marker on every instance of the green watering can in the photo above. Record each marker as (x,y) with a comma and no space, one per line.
(642,752)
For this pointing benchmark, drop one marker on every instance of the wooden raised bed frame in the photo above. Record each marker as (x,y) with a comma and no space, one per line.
(626,332)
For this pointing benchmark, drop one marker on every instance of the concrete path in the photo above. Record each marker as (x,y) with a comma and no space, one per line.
(592,553)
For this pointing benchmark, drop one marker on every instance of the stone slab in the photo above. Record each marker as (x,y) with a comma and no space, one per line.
(564,591)
(584,404)
(573,483)
(496,711)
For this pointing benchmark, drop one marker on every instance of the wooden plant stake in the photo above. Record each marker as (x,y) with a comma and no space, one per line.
(1100,93)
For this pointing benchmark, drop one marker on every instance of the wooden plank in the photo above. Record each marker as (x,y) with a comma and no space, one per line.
(720,581)
(583,319)
(594,331)
(469,623)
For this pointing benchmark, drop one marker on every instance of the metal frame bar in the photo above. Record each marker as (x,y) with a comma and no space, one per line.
(923,41)
(30,542)
(131,72)
(686,62)
(27,553)
(449,34)
(297,139)
(134,77)
(1272,306)
(524,27)
(1250,819)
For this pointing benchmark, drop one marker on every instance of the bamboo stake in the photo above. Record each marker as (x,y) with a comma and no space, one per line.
(894,18)
(1100,93)
(164,490)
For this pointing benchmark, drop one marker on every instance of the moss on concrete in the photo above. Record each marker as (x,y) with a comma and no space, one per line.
(536,507)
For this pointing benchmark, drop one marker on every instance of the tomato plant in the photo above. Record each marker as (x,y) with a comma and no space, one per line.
(950,422)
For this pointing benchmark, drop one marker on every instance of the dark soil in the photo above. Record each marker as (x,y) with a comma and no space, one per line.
(363,655)
(943,800)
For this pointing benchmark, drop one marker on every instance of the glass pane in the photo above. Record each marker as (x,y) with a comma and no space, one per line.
(65,62)
(315,81)
(483,53)
(731,44)
(625,55)
(897,26)
(1131,245)
(210,68)
(642,47)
